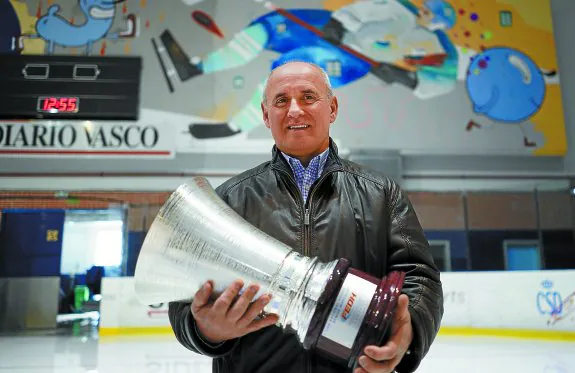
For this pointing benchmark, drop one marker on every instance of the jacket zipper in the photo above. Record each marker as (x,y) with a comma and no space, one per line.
(306,207)
(307,231)
(307,214)
(306,249)
(301,206)
(307,239)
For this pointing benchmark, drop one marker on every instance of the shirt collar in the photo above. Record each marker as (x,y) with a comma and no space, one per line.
(318,160)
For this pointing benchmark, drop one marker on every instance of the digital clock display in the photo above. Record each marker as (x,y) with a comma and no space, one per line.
(52,104)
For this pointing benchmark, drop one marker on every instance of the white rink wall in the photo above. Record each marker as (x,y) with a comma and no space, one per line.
(521,304)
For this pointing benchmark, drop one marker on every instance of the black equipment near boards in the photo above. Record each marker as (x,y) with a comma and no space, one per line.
(69,87)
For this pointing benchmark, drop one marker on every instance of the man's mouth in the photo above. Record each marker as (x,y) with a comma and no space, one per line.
(299,127)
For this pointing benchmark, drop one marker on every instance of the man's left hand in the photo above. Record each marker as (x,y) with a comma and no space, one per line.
(384,359)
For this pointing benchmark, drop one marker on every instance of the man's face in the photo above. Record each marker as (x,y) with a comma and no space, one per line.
(298,110)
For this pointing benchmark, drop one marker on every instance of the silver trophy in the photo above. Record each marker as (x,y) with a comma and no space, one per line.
(196,237)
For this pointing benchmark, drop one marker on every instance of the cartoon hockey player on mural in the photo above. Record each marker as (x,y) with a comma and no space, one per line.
(393,40)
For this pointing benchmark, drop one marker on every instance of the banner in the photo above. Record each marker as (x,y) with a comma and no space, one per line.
(86,139)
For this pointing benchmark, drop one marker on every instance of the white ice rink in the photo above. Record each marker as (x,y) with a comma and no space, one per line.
(162,354)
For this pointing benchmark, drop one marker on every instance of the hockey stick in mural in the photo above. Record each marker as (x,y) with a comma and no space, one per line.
(162,65)
(387,72)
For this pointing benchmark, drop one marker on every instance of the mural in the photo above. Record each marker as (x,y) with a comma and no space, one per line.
(418,76)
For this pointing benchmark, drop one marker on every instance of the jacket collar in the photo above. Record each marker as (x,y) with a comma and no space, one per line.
(333,160)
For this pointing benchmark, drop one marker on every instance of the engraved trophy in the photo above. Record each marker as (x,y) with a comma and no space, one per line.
(331,307)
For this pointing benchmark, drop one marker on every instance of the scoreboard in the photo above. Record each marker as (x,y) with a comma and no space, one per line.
(69,87)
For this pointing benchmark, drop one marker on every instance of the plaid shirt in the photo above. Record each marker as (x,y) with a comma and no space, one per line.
(305,177)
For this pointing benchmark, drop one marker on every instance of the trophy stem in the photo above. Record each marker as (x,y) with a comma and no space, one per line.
(296,289)
(308,300)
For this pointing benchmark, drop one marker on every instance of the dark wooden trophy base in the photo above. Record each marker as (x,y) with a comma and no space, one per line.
(343,340)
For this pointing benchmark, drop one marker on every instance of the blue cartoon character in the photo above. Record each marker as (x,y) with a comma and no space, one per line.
(385,35)
(57,30)
(505,85)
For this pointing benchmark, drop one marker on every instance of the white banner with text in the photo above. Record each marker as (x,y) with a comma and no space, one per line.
(47,138)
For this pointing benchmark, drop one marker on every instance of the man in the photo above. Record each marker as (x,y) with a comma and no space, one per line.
(345,210)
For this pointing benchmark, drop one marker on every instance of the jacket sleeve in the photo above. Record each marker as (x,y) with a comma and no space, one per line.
(184,327)
(410,253)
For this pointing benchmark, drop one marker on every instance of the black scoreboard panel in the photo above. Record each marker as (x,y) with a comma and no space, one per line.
(69,87)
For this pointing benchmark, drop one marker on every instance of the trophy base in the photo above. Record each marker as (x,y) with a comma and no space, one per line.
(355,310)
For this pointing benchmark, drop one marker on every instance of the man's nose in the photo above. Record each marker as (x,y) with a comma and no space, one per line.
(294,108)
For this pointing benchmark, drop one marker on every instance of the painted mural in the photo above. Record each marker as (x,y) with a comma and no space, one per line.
(418,76)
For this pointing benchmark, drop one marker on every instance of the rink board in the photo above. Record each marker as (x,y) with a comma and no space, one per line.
(523,304)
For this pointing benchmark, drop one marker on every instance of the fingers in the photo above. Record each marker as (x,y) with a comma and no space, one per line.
(202,297)
(269,320)
(402,304)
(372,366)
(224,301)
(402,315)
(242,303)
(255,309)
(386,352)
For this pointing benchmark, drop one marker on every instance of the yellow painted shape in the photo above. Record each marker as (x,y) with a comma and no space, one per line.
(335,4)
(555,335)
(28,26)
(535,13)
(115,332)
(550,120)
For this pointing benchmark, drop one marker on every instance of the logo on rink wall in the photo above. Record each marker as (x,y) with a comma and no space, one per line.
(550,303)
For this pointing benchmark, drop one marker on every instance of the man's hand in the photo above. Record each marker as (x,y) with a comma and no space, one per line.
(384,359)
(229,316)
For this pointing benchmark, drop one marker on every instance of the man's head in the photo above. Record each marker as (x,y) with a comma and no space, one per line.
(299,107)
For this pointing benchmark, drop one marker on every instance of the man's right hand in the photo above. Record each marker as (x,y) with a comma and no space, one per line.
(229,316)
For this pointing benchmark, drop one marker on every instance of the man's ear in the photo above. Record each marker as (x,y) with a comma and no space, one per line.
(334,106)
(265,115)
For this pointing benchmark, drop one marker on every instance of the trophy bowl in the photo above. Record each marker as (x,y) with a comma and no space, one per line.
(333,308)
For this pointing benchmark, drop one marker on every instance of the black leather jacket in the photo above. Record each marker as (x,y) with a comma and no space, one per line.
(352,213)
